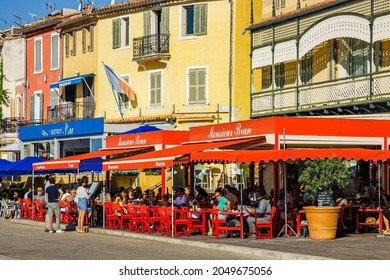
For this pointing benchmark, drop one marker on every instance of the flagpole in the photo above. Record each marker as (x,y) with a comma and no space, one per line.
(113,92)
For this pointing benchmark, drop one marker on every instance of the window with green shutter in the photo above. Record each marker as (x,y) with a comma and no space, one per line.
(200,19)
(147,25)
(155,89)
(91,37)
(54,51)
(67,44)
(197,86)
(194,20)
(116,33)
(38,55)
(84,40)
(74,43)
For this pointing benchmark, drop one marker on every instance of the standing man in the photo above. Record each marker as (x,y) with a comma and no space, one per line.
(53,191)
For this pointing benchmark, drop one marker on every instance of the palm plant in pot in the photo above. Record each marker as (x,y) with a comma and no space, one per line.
(317,178)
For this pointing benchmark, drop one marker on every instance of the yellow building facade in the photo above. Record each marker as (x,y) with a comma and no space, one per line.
(187,62)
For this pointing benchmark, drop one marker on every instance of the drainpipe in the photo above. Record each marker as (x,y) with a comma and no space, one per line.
(231,61)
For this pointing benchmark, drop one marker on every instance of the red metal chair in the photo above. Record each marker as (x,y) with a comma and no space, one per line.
(265,229)
(165,221)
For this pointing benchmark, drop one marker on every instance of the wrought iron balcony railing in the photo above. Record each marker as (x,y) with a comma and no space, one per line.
(151,47)
(70,111)
(11,125)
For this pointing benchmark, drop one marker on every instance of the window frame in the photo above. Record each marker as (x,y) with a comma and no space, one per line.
(40,70)
(54,34)
(155,105)
(197,28)
(206,85)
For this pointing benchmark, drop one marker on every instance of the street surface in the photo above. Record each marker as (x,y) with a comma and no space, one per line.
(27,242)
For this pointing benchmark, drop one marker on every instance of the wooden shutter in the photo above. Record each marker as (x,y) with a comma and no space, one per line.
(200,19)
(54,51)
(165,20)
(201,85)
(147,27)
(41,107)
(192,98)
(67,44)
(32,107)
(74,36)
(155,89)
(38,55)
(91,37)
(84,40)
(116,33)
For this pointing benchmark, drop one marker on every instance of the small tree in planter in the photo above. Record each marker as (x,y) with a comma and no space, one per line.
(321,175)
(317,178)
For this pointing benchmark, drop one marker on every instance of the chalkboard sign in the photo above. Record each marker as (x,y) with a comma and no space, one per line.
(325,199)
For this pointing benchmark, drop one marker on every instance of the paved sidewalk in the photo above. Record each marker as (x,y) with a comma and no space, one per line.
(365,246)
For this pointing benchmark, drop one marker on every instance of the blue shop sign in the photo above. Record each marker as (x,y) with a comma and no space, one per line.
(62,129)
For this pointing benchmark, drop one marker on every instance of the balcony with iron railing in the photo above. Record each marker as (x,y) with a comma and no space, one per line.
(11,125)
(66,111)
(150,47)
(351,91)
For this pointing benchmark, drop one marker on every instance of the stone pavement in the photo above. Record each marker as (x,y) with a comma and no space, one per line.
(364,246)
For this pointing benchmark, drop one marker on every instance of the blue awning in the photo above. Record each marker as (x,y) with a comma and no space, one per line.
(70,81)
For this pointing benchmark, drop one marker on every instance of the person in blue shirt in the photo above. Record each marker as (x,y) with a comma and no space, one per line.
(222,204)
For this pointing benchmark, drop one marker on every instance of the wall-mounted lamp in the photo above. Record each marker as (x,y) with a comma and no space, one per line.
(139,112)
(77,73)
(173,108)
(216,107)
(45,78)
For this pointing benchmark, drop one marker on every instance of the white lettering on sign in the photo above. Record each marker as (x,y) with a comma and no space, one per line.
(70,165)
(131,142)
(160,163)
(228,133)
(40,167)
(57,131)
(110,167)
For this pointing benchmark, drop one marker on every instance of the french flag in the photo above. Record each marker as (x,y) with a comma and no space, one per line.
(118,83)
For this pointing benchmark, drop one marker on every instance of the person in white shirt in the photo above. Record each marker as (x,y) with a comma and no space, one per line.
(82,203)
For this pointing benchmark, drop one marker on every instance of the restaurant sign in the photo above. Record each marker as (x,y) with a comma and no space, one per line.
(223,131)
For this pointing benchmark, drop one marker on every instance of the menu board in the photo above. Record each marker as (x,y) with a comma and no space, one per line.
(325,199)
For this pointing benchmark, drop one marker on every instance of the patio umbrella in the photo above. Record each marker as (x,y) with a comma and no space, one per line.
(23,167)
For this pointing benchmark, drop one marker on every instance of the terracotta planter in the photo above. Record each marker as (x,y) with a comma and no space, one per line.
(322,221)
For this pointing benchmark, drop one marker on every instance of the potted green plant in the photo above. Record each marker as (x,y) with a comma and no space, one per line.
(317,178)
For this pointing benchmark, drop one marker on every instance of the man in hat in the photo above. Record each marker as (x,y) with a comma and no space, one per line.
(39,196)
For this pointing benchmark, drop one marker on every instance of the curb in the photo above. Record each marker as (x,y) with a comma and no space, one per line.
(268,254)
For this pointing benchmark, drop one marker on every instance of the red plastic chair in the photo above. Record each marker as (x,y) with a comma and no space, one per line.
(25,208)
(39,211)
(182,222)
(110,217)
(69,216)
(265,229)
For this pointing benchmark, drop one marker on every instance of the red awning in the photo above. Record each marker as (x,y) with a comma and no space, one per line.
(74,161)
(240,156)
(166,157)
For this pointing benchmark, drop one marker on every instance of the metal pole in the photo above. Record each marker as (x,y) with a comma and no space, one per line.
(173,173)
(379,201)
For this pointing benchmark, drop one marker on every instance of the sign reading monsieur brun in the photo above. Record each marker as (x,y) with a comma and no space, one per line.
(325,199)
